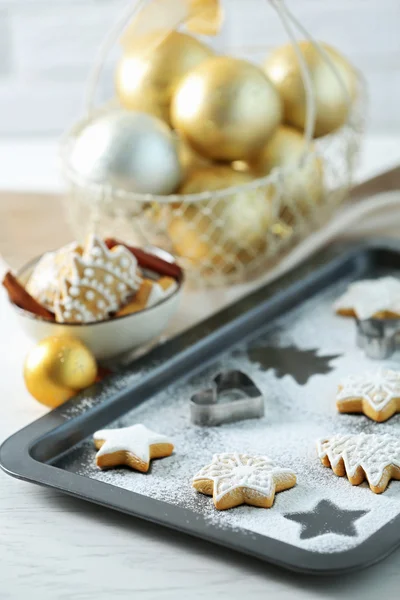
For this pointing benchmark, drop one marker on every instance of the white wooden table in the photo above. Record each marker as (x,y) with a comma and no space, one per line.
(56,547)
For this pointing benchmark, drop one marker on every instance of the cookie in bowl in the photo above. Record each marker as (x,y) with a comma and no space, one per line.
(111,296)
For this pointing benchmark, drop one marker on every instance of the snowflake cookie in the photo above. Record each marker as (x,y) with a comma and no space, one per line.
(376,394)
(98,282)
(375,298)
(234,479)
(364,456)
(130,446)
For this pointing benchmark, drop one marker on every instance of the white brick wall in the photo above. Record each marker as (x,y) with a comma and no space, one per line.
(47,47)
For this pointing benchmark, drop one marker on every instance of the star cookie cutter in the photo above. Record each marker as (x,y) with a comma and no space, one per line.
(379,338)
(232,397)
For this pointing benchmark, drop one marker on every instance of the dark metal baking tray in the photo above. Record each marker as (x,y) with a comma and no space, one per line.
(36,452)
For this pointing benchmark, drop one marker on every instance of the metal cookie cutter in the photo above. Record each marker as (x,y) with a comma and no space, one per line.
(379,338)
(232,397)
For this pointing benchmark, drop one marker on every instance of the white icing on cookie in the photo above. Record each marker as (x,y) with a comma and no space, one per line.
(378,388)
(371,452)
(231,471)
(369,297)
(43,283)
(136,439)
(100,280)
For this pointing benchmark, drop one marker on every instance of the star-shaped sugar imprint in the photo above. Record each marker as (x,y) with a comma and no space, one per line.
(233,479)
(98,282)
(378,298)
(326,517)
(131,446)
(373,457)
(376,394)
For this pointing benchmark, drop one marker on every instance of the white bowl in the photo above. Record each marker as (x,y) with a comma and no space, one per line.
(106,339)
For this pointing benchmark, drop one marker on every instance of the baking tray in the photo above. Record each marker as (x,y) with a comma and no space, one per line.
(287,338)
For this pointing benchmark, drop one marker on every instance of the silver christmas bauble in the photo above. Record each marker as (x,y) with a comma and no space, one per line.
(132,151)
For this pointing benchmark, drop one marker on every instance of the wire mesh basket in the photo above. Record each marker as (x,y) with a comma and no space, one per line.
(223,236)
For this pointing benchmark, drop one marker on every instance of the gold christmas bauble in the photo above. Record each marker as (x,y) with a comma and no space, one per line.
(226,108)
(232,229)
(146,79)
(332,106)
(188,157)
(57,368)
(303,181)
(212,177)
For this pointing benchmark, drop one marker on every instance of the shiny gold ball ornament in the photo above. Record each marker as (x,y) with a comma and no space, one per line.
(57,368)
(303,176)
(231,229)
(213,177)
(147,78)
(226,108)
(188,157)
(332,102)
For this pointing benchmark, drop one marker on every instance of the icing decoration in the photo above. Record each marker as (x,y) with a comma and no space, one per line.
(368,298)
(97,284)
(364,456)
(43,284)
(234,479)
(376,394)
(132,446)
(326,517)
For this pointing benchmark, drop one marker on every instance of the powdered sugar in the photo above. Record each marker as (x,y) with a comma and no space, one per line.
(295,416)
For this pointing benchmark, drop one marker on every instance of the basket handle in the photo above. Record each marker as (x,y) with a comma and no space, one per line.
(172,19)
(105,48)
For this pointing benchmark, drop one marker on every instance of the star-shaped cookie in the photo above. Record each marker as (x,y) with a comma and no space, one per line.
(375,298)
(375,458)
(326,518)
(234,479)
(376,394)
(131,446)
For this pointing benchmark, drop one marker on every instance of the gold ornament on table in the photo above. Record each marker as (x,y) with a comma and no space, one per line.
(333,103)
(232,229)
(302,176)
(226,109)
(57,368)
(146,78)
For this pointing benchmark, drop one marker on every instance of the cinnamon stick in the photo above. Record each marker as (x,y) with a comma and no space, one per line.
(19,296)
(149,261)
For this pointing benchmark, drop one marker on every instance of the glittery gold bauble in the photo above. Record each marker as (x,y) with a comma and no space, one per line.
(226,108)
(57,368)
(332,107)
(146,80)
(303,184)
(188,157)
(232,228)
